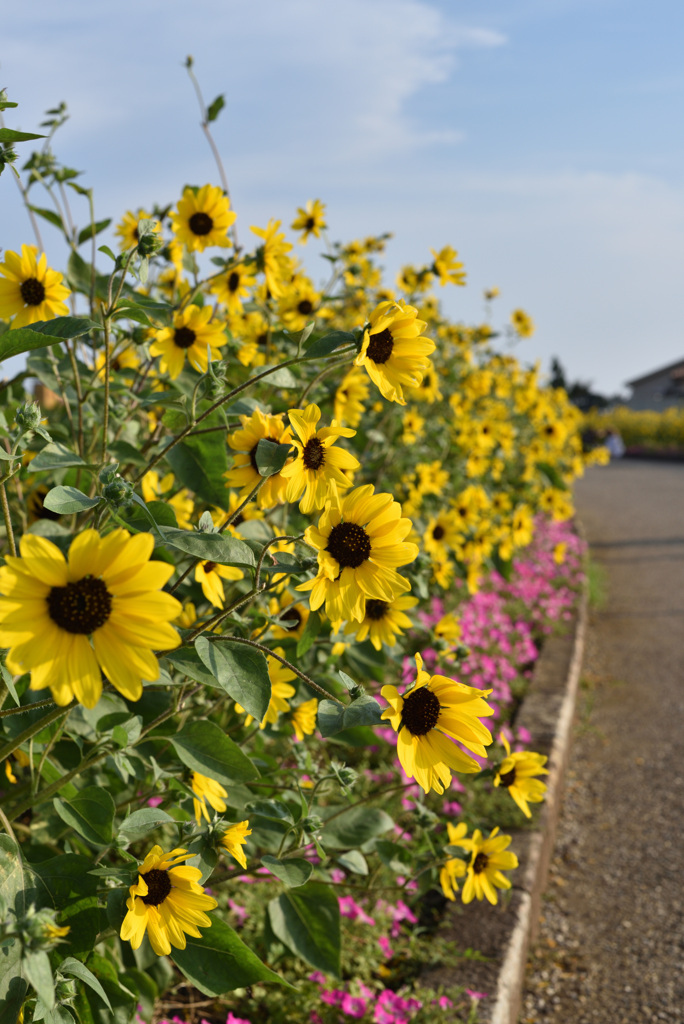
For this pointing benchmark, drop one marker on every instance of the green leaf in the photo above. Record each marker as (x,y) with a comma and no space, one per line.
(240,671)
(354,861)
(90,813)
(354,827)
(43,334)
(333,717)
(329,342)
(66,877)
(550,472)
(394,856)
(308,923)
(213,547)
(79,273)
(188,661)
(55,456)
(220,961)
(123,1002)
(205,748)
(311,631)
(199,463)
(58,1015)
(282,378)
(215,108)
(80,971)
(293,871)
(66,500)
(93,229)
(10,135)
(140,823)
(125,452)
(36,967)
(271,456)
(13,888)
(49,215)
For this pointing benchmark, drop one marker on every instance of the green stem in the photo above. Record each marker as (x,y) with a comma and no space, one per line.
(35,728)
(48,702)
(8,520)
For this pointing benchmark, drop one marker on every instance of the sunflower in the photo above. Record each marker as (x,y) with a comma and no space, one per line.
(383,621)
(441,535)
(32,292)
(393,350)
(447,266)
(233,286)
(234,838)
(272,257)
(127,228)
(190,336)
(291,615)
(67,622)
(298,304)
(489,858)
(350,396)
(207,791)
(253,333)
(210,575)
(167,902)
(203,218)
(523,325)
(412,427)
(155,489)
(310,220)
(318,461)
(429,386)
(304,719)
(516,775)
(360,540)
(245,473)
(450,871)
(435,711)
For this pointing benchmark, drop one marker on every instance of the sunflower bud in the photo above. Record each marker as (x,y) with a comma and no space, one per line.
(117,492)
(28,416)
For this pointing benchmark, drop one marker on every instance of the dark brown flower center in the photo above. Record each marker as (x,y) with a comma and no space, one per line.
(313,454)
(293,618)
(80,607)
(427,381)
(233,281)
(480,863)
(305,307)
(376,609)
(349,544)
(262,339)
(507,778)
(309,223)
(209,567)
(184,337)
(380,346)
(200,223)
(420,712)
(438,532)
(32,291)
(158,887)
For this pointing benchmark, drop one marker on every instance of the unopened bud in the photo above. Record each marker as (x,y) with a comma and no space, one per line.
(28,416)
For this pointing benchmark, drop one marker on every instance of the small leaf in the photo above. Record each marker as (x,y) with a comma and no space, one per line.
(308,923)
(80,971)
(37,969)
(220,961)
(241,672)
(66,500)
(282,378)
(93,229)
(49,215)
(311,631)
(213,547)
(140,823)
(354,827)
(90,813)
(55,456)
(215,108)
(271,457)
(354,861)
(293,871)
(205,748)
(333,717)
(43,334)
(10,135)
(329,342)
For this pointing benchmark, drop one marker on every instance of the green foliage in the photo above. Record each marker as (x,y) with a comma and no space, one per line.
(203,747)
(220,962)
(307,921)
(241,672)
(42,334)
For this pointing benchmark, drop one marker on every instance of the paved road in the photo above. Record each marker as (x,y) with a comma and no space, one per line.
(611,946)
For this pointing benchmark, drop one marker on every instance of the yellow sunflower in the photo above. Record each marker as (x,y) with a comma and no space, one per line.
(190,336)
(167,902)
(383,621)
(523,324)
(489,858)
(234,286)
(292,615)
(435,711)
(127,228)
(447,266)
(304,719)
(310,220)
(318,461)
(393,352)
(67,622)
(245,473)
(361,541)
(210,575)
(298,303)
(516,774)
(234,838)
(272,257)
(203,218)
(207,791)
(31,291)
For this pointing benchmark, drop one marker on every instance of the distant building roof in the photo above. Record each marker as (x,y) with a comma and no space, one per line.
(675,370)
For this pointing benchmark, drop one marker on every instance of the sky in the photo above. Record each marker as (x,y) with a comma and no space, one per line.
(540,138)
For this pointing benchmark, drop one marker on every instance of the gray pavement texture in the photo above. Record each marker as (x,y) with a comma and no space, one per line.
(610,948)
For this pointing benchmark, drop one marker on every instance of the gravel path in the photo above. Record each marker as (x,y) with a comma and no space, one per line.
(611,943)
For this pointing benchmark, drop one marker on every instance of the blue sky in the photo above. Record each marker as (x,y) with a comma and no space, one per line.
(541,138)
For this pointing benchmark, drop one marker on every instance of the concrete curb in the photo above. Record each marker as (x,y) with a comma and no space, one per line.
(548,712)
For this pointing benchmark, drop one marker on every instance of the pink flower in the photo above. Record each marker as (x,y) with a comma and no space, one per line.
(154,801)
(232,1019)
(384,944)
(476,995)
(318,977)
(353,1006)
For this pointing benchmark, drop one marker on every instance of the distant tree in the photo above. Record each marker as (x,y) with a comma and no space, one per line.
(580,392)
